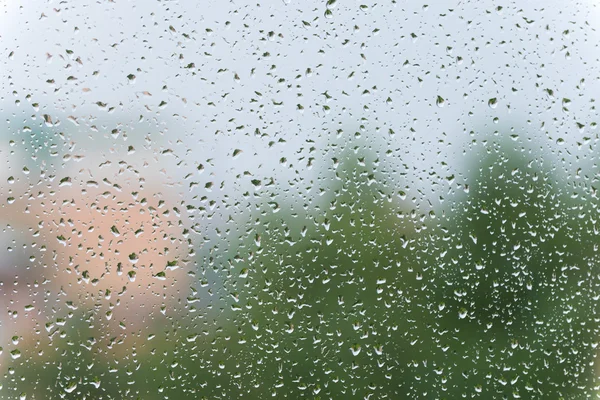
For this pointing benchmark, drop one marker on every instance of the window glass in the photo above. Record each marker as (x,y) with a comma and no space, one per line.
(299,199)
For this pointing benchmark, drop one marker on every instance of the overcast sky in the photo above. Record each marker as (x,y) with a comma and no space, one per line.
(184,82)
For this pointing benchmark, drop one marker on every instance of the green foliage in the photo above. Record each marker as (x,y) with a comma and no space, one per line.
(368,295)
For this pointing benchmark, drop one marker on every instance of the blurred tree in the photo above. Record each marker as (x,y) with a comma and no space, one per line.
(516,282)
(367,294)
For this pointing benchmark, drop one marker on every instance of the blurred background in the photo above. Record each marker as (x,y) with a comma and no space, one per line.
(314,199)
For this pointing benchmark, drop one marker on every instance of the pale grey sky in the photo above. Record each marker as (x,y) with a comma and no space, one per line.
(251,64)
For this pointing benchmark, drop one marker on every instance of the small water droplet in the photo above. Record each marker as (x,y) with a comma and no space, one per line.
(440,102)
(16,353)
(71,387)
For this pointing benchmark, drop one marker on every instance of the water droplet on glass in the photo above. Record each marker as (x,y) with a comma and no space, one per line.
(440,102)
